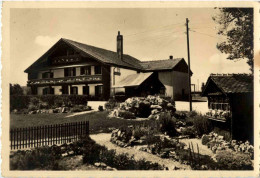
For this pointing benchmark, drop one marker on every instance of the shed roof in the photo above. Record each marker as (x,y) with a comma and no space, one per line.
(133,80)
(231,83)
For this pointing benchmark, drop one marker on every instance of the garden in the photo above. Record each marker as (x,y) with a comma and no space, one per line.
(150,125)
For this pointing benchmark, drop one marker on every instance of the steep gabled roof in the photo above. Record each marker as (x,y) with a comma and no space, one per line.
(106,56)
(109,57)
(231,83)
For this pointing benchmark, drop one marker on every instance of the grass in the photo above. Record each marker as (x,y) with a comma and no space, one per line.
(98,121)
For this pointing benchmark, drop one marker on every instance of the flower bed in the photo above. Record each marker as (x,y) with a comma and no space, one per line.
(218,143)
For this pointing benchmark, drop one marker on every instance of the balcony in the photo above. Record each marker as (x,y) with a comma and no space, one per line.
(66,80)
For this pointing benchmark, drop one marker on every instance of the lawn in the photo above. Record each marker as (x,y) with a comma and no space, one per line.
(98,121)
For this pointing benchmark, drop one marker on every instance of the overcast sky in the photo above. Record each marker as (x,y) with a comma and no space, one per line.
(149,34)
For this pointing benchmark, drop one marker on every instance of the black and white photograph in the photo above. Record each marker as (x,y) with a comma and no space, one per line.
(108,89)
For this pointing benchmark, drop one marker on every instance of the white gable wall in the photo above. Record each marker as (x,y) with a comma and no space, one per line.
(123,74)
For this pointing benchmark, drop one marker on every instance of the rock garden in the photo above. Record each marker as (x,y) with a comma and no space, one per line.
(163,134)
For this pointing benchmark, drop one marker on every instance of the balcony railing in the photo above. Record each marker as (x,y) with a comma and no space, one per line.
(66,80)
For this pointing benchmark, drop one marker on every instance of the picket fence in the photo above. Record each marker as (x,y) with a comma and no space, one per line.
(31,137)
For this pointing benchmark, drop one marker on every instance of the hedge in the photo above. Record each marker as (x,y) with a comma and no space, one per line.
(23,101)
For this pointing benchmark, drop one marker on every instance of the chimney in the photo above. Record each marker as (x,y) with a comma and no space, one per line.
(119,46)
(171,57)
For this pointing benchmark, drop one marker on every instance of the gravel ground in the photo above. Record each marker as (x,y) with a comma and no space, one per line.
(104,139)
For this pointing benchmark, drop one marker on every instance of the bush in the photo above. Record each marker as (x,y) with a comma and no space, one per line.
(126,114)
(111,104)
(76,109)
(190,131)
(202,125)
(230,160)
(32,107)
(44,158)
(205,139)
(167,124)
(100,108)
(195,160)
(19,102)
(144,109)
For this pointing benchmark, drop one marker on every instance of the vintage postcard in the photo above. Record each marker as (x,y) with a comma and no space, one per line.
(130,89)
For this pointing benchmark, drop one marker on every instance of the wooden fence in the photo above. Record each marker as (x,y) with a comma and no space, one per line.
(47,135)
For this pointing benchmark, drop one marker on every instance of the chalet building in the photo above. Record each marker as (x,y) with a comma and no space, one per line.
(230,103)
(70,67)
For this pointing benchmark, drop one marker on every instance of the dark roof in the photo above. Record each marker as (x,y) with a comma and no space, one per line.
(110,57)
(106,56)
(232,83)
(160,64)
(133,80)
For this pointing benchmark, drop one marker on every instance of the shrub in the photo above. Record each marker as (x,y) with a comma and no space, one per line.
(226,134)
(202,125)
(77,108)
(230,160)
(39,158)
(126,114)
(35,101)
(195,160)
(100,108)
(111,104)
(190,131)
(167,124)
(144,109)
(205,139)
(32,107)
(19,102)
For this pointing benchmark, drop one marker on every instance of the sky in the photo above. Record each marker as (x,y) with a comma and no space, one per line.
(149,34)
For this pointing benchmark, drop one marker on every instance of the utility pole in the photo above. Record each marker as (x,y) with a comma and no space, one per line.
(188,46)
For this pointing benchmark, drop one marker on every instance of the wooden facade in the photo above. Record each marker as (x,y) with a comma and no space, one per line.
(70,67)
(230,103)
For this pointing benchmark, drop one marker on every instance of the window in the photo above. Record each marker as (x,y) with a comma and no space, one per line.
(70,72)
(85,90)
(47,75)
(98,70)
(98,90)
(74,90)
(219,103)
(47,91)
(85,70)
(65,90)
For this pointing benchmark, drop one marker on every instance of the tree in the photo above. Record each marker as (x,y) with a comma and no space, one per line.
(16,89)
(237,25)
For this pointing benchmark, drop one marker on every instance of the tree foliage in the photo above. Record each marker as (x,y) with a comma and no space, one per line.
(237,25)
(16,89)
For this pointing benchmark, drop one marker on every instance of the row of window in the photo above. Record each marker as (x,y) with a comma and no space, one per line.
(220,106)
(71,72)
(74,90)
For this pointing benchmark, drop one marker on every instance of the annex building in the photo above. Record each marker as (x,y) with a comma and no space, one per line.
(70,67)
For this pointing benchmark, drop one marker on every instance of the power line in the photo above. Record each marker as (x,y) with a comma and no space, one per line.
(207,34)
(159,37)
(155,29)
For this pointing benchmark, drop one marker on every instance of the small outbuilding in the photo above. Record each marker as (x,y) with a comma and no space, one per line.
(230,103)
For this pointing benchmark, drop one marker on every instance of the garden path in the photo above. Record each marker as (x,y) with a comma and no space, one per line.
(104,139)
(203,149)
